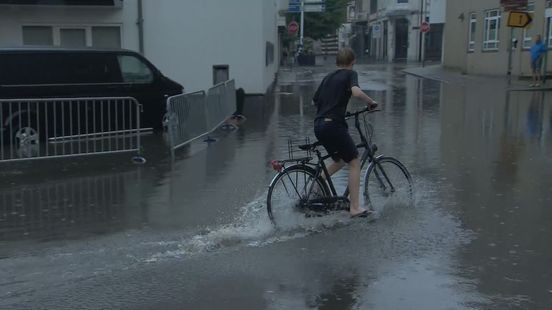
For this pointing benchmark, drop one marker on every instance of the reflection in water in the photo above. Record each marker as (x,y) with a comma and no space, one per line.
(496,147)
(62,208)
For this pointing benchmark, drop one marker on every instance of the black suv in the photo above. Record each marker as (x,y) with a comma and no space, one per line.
(28,73)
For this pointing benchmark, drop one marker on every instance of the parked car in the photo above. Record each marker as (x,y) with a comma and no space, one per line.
(81,73)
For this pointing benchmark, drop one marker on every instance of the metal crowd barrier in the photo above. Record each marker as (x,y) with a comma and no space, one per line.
(194,115)
(64,127)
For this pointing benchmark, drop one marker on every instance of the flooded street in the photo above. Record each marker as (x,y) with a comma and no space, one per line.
(193,232)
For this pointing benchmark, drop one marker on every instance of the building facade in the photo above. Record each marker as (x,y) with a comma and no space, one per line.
(194,42)
(478,40)
(389,30)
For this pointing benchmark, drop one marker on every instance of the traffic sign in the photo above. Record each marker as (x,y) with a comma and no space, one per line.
(513,5)
(315,7)
(293,27)
(519,19)
(294,6)
(425,27)
(376,31)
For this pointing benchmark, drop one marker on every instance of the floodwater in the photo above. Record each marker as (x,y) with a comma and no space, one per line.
(193,233)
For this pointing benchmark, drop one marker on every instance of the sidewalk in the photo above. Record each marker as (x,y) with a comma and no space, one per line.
(438,73)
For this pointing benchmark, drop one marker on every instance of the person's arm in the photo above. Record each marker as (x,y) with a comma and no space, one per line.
(358,93)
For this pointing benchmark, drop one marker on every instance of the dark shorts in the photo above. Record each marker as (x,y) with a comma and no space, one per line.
(536,64)
(334,136)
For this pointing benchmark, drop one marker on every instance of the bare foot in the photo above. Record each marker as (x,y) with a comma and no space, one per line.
(357,212)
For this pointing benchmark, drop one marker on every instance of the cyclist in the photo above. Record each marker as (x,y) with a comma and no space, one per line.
(330,127)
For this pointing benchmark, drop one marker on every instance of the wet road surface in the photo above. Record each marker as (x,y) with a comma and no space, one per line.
(193,233)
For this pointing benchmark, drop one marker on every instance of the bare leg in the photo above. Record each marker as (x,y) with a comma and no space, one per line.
(335,167)
(354,187)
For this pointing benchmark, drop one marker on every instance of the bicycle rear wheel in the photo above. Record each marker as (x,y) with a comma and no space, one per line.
(287,195)
(388,182)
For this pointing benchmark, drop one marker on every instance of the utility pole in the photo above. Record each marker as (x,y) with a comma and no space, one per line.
(424,8)
(302,25)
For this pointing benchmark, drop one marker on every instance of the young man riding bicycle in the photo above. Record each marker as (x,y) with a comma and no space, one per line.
(330,127)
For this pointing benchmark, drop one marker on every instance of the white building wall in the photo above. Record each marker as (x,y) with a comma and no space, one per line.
(270,34)
(185,39)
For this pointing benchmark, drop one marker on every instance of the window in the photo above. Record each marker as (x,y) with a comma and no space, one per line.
(79,36)
(134,70)
(373,6)
(492,28)
(38,35)
(402,1)
(472,32)
(221,74)
(106,37)
(269,53)
(58,68)
(72,37)
(90,68)
(529,33)
(550,32)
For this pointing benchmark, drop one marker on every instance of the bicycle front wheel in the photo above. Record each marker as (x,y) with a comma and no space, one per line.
(388,182)
(290,191)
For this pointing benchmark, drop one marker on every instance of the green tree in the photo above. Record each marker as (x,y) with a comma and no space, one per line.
(318,25)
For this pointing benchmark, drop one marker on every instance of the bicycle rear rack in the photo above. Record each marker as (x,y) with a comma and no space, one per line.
(295,154)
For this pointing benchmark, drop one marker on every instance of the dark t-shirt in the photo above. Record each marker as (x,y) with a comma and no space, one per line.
(334,94)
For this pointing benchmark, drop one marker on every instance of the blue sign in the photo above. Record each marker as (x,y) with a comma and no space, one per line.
(294,6)
(294,9)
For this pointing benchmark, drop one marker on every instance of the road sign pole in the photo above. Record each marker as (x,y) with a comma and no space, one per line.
(510,55)
(302,23)
(547,42)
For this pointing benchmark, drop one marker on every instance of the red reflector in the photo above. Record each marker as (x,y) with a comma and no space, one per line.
(277,166)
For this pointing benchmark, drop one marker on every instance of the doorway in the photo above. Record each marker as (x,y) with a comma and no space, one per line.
(401,39)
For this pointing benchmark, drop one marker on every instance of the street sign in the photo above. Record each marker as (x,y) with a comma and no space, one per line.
(315,7)
(519,19)
(376,31)
(514,5)
(293,27)
(425,27)
(294,6)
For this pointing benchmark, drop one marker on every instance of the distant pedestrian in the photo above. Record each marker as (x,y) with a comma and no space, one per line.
(285,58)
(537,53)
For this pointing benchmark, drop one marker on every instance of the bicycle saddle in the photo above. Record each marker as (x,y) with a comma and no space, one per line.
(309,147)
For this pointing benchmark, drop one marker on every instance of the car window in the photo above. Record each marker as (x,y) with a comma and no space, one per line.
(26,69)
(58,68)
(134,70)
(92,68)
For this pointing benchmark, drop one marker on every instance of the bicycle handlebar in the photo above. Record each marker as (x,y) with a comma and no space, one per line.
(365,110)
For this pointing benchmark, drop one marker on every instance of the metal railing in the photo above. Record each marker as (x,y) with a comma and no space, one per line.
(64,127)
(194,115)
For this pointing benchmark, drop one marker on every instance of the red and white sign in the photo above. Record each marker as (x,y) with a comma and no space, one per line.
(293,27)
(425,27)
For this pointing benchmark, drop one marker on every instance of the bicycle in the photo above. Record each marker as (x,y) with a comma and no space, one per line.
(307,183)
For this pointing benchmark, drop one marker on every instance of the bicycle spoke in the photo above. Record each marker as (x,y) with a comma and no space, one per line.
(388,183)
(387,178)
(287,196)
(294,187)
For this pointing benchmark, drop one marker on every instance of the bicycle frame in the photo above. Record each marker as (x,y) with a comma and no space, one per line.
(320,167)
